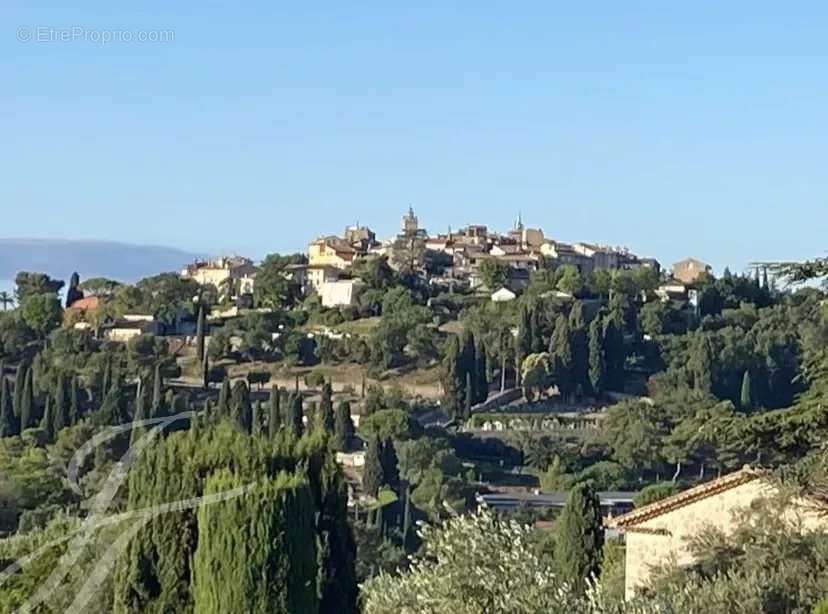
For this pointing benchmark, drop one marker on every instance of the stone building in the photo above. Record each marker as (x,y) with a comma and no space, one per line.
(218,271)
(330,251)
(659,533)
(690,269)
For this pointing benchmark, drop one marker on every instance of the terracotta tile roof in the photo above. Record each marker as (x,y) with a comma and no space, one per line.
(85,304)
(708,489)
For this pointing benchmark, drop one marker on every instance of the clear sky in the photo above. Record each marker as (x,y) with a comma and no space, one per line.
(676,131)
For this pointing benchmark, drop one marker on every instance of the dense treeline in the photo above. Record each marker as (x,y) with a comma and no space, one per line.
(282,546)
(736,376)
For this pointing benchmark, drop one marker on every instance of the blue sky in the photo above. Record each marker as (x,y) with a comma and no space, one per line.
(695,130)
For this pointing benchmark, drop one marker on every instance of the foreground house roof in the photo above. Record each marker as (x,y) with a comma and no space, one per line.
(664,506)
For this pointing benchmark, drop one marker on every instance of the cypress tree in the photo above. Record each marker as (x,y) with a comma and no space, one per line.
(223,406)
(74,401)
(701,364)
(19,386)
(47,423)
(746,397)
(274,418)
(561,351)
(200,334)
(9,424)
(157,406)
(269,561)
(111,412)
(208,412)
(372,475)
(524,335)
(580,542)
(406,517)
(294,419)
(326,412)
(597,366)
(536,330)
(467,397)
(614,354)
(390,464)
(468,353)
(452,382)
(205,372)
(73,293)
(117,380)
(61,408)
(257,418)
(343,427)
(481,379)
(253,553)
(139,416)
(580,346)
(106,378)
(27,408)
(241,408)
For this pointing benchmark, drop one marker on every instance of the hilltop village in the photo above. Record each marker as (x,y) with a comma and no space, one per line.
(575,408)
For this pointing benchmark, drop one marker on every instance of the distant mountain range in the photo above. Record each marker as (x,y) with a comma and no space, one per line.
(59,258)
